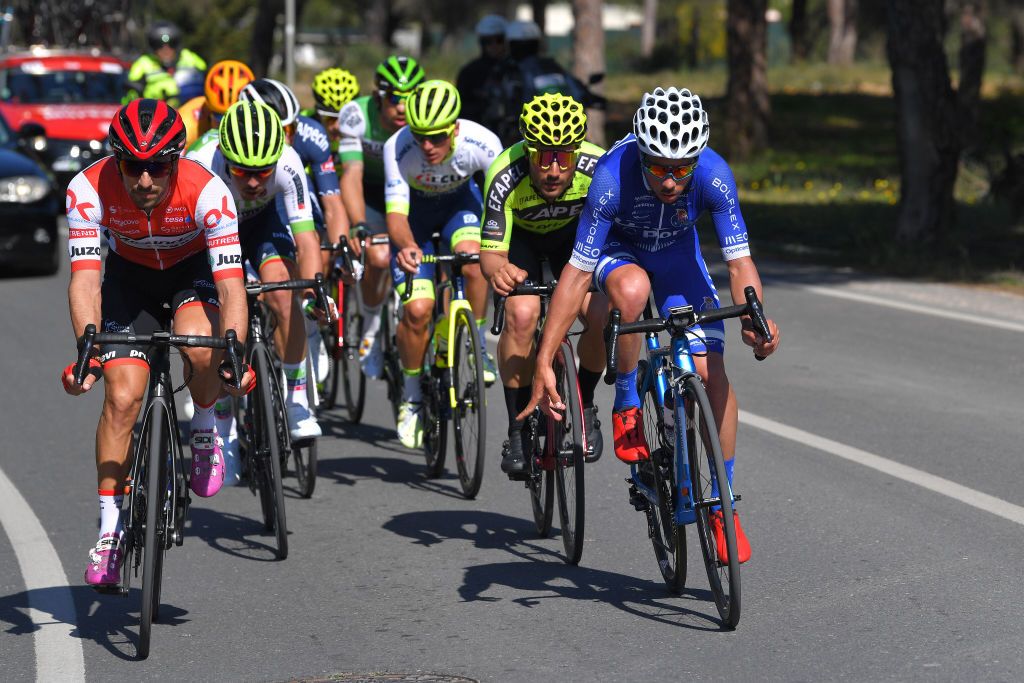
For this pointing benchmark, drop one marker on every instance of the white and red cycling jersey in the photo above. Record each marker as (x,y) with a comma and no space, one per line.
(198,215)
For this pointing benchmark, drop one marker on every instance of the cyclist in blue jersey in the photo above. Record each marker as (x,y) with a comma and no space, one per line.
(309,139)
(637,234)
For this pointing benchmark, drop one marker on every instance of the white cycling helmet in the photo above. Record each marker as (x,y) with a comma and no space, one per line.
(671,124)
(275,95)
(491,25)
(522,30)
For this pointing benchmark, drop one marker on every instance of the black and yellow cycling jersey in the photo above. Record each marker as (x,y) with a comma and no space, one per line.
(511,200)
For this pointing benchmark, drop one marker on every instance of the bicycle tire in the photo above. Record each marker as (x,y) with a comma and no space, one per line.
(435,421)
(569,474)
(706,460)
(304,455)
(469,415)
(668,539)
(157,440)
(353,381)
(541,482)
(392,369)
(268,430)
(329,383)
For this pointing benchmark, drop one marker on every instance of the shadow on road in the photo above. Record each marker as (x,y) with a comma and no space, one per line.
(540,573)
(349,470)
(230,533)
(110,621)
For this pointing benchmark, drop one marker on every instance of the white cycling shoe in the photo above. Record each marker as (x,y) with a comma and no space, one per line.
(371,357)
(302,423)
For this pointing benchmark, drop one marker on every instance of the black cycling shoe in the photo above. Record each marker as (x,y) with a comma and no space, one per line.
(592,426)
(513,462)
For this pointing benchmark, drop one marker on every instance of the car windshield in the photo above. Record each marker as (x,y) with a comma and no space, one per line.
(60,87)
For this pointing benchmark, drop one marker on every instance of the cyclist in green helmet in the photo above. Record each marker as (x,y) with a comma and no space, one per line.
(250,154)
(532,217)
(365,125)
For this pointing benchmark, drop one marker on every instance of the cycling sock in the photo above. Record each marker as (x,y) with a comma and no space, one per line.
(203,417)
(371,320)
(588,380)
(412,390)
(516,398)
(625,390)
(481,330)
(729,465)
(295,376)
(110,513)
(224,416)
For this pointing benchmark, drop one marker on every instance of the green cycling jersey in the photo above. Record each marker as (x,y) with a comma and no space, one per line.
(511,200)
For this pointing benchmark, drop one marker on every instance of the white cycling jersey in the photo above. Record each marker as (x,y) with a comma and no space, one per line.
(289,181)
(407,174)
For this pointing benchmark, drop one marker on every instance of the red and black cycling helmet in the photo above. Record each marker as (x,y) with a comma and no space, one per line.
(147,129)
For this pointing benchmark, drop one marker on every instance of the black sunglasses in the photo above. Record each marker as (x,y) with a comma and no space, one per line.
(155,169)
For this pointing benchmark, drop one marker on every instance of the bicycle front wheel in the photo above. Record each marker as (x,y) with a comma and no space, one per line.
(304,454)
(435,420)
(269,426)
(568,451)
(667,538)
(353,381)
(158,444)
(707,463)
(541,481)
(469,414)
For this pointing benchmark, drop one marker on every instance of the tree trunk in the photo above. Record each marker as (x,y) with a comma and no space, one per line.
(379,23)
(692,53)
(263,36)
(800,47)
(974,40)
(538,9)
(926,119)
(1017,39)
(747,104)
(648,30)
(842,39)
(588,59)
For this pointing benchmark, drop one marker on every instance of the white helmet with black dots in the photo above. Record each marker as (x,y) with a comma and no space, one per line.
(671,124)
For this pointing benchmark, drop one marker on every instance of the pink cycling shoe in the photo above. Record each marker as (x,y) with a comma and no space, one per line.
(207,463)
(105,562)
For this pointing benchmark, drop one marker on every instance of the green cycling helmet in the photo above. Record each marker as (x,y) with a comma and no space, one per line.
(433,106)
(251,135)
(334,88)
(399,74)
(553,120)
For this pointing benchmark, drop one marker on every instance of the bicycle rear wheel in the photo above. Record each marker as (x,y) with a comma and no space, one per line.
(469,413)
(435,420)
(540,480)
(568,450)
(158,443)
(392,370)
(706,462)
(304,453)
(270,420)
(353,381)
(328,384)
(667,538)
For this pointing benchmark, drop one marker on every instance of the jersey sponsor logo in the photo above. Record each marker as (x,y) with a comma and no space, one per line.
(736,239)
(353,120)
(312,134)
(502,184)
(427,178)
(222,241)
(81,233)
(551,211)
(213,216)
(79,252)
(300,187)
(468,218)
(228,260)
(586,164)
(327,166)
(590,250)
(737,250)
(71,203)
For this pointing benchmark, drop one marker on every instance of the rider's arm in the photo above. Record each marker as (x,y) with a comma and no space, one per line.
(503,178)
(215,209)
(352,127)
(396,197)
(84,300)
(352,190)
(292,183)
(84,213)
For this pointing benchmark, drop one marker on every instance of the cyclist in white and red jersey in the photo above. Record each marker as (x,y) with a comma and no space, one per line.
(174,261)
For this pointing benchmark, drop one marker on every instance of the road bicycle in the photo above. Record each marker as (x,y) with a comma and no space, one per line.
(263,434)
(453,383)
(558,448)
(156,498)
(675,486)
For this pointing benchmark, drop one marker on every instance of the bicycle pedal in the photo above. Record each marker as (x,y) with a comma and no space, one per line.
(637,500)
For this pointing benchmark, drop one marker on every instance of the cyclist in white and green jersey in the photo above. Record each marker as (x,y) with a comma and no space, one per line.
(364,125)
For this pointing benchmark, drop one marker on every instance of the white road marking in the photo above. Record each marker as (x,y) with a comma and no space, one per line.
(50,605)
(915,308)
(968,496)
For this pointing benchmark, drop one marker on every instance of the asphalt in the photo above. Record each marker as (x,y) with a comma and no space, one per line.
(856,574)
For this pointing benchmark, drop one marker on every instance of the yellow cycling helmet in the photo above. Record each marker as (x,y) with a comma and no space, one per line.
(553,120)
(224,81)
(433,106)
(333,88)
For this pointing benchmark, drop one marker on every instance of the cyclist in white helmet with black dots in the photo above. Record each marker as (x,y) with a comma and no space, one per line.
(637,234)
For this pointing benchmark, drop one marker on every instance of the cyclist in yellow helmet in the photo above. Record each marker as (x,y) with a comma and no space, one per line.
(224,81)
(156,74)
(532,218)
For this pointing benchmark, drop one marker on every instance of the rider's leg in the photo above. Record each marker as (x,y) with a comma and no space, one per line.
(516,356)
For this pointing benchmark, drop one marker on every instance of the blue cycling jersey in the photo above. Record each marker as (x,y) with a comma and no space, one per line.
(621,207)
(314,148)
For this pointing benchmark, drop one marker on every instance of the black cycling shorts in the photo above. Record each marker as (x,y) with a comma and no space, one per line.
(143,300)
(526,249)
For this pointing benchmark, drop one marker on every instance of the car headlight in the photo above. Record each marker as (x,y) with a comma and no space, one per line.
(23,189)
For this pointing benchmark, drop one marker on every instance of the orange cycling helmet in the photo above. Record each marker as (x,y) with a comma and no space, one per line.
(224,81)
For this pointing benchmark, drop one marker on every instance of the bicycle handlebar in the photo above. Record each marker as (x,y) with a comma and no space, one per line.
(456,260)
(316,284)
(527,288)
(680,319)
(228,342)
